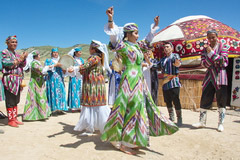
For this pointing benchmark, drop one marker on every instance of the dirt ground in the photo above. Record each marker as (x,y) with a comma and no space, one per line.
(54,139)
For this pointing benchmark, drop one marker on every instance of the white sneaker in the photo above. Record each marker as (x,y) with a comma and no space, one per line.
(85,134)
(220,128)
(199,125)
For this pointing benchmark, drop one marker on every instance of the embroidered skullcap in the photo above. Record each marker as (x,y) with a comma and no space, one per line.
(130,27)
(10,37)
(212,31)
(78,49)
(55,50)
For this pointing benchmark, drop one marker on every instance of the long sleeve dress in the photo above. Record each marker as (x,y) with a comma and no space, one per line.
(75,87)
(134,115)
(94,112)
(36,106)
(56,93)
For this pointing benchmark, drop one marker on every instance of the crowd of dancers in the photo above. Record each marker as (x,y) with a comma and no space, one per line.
(133,115)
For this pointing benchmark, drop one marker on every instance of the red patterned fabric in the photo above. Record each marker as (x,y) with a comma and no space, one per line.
(195,39)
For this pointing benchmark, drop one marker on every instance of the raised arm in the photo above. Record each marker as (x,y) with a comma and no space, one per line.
(145,43)
(110,13)
(115,33)
(154,28)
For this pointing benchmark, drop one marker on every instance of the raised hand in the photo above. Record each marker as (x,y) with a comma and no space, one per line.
(156,21)
(110,13)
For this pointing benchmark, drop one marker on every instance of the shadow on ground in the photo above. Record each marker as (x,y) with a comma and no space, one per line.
(95,138)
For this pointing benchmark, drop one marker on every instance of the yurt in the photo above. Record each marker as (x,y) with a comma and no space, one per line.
(188,36)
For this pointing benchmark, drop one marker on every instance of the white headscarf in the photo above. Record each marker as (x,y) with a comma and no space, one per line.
(29,60)
(71,52)
(103,48)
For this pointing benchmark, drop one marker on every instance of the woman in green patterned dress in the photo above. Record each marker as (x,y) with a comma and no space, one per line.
(36,107)
(134,116)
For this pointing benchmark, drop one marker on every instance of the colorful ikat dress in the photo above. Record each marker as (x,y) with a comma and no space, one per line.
(94,112)
(134,116)
(36,107)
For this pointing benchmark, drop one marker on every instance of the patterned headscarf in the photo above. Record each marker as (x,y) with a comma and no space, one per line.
(10,37)
(130,27)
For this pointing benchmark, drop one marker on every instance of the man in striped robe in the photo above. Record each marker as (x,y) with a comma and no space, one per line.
(215,59)
(12,71)
(169,65)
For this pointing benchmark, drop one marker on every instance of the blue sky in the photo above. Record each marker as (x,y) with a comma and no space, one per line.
(64,23)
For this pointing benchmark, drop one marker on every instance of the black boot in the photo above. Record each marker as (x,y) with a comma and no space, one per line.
(171,114)
(179,117)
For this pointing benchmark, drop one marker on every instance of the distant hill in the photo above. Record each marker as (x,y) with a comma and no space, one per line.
(45,51)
